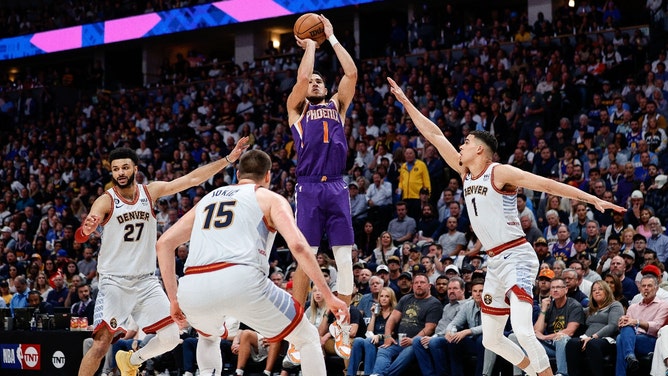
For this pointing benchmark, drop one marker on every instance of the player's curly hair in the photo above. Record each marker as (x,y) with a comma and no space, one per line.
(123,153)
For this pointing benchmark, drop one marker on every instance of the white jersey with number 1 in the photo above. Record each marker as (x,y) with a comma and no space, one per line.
(493,213)
(129,235)
(239,239)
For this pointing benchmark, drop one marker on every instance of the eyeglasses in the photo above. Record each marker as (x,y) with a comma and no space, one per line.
(557,287)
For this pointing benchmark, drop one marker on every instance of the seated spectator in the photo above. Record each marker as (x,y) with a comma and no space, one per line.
(57,296)
(85,307)
(365,348)
(35,301)
(385,249)
(661,293)
(586,354)
(253,345)
(416,315)
(402,228)
(20,297)
(639,328)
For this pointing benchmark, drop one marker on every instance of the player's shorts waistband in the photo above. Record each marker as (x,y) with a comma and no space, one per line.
(131,277)
(318,179)
(500,248)
(207,268)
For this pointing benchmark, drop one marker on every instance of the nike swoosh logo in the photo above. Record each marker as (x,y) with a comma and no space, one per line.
(506,257)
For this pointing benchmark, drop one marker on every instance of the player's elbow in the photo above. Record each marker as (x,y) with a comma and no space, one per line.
(352,75)
(300,248)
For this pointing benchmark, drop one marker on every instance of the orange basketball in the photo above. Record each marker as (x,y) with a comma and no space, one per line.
(309,26)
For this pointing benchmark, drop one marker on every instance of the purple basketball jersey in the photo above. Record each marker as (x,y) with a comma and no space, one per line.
(320,142)
(323,204)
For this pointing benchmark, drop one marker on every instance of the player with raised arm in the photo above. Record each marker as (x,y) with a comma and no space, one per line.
(322,199)
(231,231)
(490,191)
(126,262)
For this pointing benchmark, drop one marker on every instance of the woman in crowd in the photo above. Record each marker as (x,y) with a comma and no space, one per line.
(366,240)
(602,324)
(616,287)
(366,348)
(643,226)
(325,262)
(627,239)
(41,284)
(558,266)
(384,250)
(316,311)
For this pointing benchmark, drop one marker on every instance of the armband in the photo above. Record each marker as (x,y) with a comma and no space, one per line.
(79,236)
(332,40)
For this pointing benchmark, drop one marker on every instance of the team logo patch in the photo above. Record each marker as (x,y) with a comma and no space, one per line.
(487,299)
(113,324)
(486,177)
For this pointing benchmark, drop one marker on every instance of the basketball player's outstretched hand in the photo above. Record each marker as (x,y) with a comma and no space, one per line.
(241,146)
(90,223)
(602,205)
(396,90)
(176,313)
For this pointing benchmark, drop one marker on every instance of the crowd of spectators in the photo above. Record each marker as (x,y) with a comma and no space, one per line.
(587,109)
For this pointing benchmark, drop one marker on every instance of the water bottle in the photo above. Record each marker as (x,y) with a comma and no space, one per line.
(376,309)
(33,324)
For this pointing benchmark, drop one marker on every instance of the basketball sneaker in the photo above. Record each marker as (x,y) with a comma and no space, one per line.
(124,365)
(293,355)
(341,334)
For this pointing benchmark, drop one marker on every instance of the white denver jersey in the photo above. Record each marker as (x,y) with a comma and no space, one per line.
(493,213)
(128,238)
(229,226)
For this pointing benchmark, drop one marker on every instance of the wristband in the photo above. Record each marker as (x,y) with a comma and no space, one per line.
(227,158)
(79,236)
(543,312)
(332,40)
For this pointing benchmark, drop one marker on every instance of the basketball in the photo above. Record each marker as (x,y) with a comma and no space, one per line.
(309,26)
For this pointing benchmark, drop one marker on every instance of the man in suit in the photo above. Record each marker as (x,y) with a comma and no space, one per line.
(85,307)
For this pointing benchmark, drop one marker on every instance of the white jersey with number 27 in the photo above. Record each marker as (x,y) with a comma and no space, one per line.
(127,246)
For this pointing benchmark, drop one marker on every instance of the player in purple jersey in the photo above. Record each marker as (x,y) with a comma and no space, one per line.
(322,200)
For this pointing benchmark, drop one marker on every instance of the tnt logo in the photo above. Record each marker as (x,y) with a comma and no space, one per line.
(30,357)
(58,359)
(16,356)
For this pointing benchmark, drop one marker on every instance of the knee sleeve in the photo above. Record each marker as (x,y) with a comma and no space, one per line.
(209,358)
(523,329)
(490,326)
(344,265)
(165,339)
